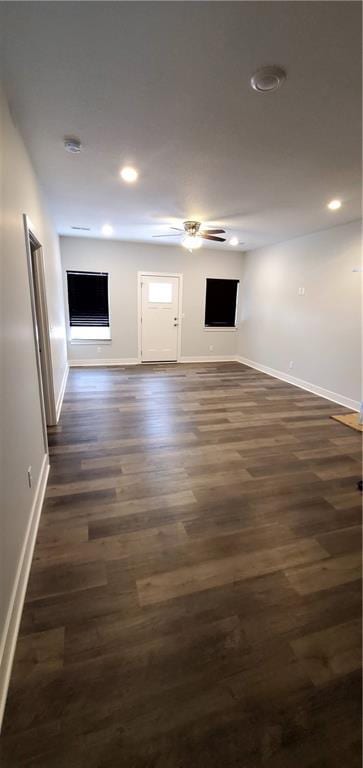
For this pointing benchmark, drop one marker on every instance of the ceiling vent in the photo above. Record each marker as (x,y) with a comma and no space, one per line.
(83,229)
(71,144)
(268,79)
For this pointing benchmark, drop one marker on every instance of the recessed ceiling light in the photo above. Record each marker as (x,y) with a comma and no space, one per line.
(72,144)
(234,241)
(268,79)
(129,174)
(107,230)
(334,205)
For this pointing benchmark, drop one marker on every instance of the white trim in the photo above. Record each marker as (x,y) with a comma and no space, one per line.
(316,390)
(12,622)
(90,342)
(61,393)
(146,273)
(92,362)
(208,359)
(40,323)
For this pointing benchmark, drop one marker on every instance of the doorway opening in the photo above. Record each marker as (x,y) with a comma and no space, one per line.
(38,301)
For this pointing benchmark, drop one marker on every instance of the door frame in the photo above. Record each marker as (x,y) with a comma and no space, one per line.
(146,273)
(40,327)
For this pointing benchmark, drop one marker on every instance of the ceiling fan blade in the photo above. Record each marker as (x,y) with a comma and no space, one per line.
(212,237)
(178,229)
(166,235)
(213,232)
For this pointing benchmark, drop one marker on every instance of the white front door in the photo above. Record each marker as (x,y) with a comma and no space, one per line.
(159,318)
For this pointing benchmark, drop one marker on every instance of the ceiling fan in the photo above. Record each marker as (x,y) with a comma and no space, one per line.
(193,235)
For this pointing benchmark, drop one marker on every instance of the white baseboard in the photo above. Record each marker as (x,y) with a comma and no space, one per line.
(207,359)
(354,405)
(61,393)
(12,622)
(92,362)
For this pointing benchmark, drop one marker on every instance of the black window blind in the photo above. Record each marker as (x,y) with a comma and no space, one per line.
(220,303)
(88,298)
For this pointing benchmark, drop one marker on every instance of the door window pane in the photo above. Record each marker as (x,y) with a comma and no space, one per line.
(161,293)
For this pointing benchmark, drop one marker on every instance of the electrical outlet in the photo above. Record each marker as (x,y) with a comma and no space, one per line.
(98,349)
(291,364)
(211,347)
(30,477)
(301,291)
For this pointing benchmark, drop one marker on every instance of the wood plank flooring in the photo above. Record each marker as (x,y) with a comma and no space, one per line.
(194,599)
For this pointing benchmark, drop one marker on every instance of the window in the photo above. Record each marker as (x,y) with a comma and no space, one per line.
(221,303)
(88,305)
(161,293)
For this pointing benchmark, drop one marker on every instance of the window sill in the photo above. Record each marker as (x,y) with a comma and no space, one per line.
(228,329)
(94,342)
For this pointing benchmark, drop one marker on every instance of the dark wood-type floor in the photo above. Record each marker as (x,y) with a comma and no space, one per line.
(194,600)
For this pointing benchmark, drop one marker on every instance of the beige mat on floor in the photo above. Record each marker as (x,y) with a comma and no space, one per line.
(350,419)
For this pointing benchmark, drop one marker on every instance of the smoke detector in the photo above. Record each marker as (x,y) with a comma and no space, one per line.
(71,144)
(268,79)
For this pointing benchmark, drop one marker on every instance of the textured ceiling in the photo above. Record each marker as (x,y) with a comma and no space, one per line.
(165,86)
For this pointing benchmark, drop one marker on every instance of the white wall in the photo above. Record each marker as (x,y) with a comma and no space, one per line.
(319,331)
(20,415)
(122,261)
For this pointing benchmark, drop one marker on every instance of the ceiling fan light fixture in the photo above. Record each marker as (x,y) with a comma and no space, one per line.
(193,234)
(192,242)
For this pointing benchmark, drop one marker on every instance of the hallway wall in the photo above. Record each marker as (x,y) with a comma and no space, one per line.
(22,443)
